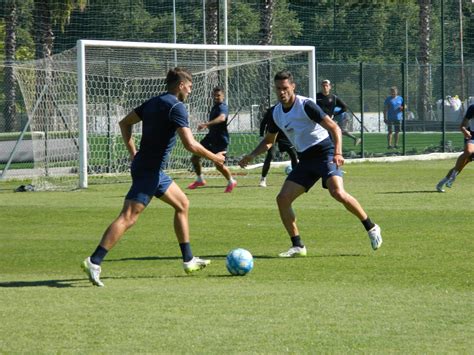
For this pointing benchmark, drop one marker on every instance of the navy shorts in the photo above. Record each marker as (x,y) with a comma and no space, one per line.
(146,184)
(310,170)
(214,145)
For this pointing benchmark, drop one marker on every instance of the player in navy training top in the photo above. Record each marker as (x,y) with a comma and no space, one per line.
(162,117)
(318,141)
(284,145)
(467,129)
(216,140)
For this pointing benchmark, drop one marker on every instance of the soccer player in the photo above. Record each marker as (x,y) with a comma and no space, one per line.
(162,117)
(335,108)
(320,157)
(467,129)
(284,145)
(393,116)
(216,140)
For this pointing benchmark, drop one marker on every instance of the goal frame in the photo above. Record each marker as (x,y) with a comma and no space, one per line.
(82,45)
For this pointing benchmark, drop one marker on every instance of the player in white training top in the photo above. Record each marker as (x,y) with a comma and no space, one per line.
(320,157)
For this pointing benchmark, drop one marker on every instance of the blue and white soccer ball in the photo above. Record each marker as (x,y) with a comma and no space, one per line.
(239,262)
(288,169)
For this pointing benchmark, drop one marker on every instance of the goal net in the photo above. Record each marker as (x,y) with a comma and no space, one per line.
(76,99)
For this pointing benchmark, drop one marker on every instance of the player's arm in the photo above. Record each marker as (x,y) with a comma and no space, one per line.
(264,145)
(341,104)
(465,122)
(126,125)
(335,132)
(193,146)
(213,122)
(316,114)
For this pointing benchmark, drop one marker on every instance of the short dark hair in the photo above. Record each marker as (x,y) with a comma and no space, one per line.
(218,89)
(177,75)
(284,75)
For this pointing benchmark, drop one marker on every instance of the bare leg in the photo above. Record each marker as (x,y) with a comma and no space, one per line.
(126,219)
(176,198)
(288,193)
(389,138)
(196,161)
(396,138)
(464,158)
(336,189)
(347,134)
(224,170)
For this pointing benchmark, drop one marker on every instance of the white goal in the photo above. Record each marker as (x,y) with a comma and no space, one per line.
(76,98)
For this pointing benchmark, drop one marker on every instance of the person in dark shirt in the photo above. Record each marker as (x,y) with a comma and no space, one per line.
(335,108)
(162,117)
(284,145)
(216,140)
(318,141)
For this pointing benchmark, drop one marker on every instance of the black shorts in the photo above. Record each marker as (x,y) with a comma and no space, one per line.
(214,145)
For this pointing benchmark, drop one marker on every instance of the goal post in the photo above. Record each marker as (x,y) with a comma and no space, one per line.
(95,84)
(82,46)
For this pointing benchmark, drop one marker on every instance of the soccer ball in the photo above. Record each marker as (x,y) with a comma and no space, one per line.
(288,169)
(239,262)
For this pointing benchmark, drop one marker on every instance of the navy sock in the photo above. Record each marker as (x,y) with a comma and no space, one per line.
(186,251)
(368,224)
(98,255)
(296,241)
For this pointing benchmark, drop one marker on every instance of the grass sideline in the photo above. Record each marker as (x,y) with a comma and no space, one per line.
(414,295)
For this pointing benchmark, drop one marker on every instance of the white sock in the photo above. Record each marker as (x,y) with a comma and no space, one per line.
(199,178)
(263,178)
(230,181)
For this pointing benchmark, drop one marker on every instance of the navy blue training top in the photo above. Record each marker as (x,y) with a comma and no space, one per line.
(161,116)
(219,131)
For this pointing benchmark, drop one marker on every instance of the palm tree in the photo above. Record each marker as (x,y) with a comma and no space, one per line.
(9,112)
(45,12)
(266,37)
(266,22)
(424,107)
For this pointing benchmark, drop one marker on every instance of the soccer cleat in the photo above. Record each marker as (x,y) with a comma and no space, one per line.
(375,237)
(293,252)
(196,184)
(439,186)
(195,264)
(93,271)
(230,186)
(262,183)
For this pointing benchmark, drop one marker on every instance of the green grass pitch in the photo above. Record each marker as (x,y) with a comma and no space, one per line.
(414,295)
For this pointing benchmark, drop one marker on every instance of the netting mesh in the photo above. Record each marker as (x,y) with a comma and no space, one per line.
(120,79)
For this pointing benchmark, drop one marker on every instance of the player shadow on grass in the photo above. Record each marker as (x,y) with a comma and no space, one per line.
(42,283)
(408,192)
(223,256)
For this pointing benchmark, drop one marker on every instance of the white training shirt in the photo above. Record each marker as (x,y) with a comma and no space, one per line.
(301,130)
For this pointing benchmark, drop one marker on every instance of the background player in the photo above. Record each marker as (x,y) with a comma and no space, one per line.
(320,157)
(216,140)
(467,129)
(284,145)
(335,108)
(161,116)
